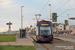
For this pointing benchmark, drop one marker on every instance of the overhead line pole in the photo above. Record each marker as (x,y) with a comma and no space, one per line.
(68,22)
(21,18)
(50,11)
(21,21)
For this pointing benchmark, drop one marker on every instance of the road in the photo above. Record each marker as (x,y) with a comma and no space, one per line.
(55,45)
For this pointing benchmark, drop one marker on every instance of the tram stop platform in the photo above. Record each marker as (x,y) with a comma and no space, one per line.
(20,41)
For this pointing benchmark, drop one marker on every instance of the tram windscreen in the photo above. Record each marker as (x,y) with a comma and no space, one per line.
(45,30)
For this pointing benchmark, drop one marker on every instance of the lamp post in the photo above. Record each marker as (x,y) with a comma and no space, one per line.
(50,11)
(21,21)
(21,18)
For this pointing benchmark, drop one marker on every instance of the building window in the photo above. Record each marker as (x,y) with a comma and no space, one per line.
(60,29)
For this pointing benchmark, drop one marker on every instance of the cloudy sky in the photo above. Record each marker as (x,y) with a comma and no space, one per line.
(10,10)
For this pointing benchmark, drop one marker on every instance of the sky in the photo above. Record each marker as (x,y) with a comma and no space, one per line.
(10,10)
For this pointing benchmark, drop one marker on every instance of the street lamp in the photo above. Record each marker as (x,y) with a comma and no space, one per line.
(50,11)
(21,18)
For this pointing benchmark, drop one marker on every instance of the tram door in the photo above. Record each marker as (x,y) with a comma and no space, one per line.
(22,33)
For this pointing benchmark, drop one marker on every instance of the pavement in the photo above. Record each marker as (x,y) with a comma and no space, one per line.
(20,41)
(65,37)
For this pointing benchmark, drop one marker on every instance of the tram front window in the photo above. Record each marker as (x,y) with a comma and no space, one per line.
(45,31)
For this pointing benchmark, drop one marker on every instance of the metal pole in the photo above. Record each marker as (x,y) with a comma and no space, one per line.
(21,20)
(39,16)
(36,18)
(68,22)
(8,35)
(21,17)
(50,11)
(34,28)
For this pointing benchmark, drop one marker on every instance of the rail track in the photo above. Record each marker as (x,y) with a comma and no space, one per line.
(41,44)
(55,43)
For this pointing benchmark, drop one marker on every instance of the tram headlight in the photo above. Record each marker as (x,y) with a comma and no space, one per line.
(39,36)
(50,36)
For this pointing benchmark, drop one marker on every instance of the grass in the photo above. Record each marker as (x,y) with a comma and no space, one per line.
(4,38)
(33,35)
(13,47)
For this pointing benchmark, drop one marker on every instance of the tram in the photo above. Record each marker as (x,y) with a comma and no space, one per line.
(44,31)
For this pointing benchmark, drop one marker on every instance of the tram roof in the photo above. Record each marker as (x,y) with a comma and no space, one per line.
(44,21)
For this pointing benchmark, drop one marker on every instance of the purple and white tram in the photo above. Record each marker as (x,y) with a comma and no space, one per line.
(44,31)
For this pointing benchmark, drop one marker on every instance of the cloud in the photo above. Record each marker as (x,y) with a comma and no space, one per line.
(5,3)
(12,13)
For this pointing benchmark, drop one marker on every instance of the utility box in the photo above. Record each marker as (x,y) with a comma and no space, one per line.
(22,33)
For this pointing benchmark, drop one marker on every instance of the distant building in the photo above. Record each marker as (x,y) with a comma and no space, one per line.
(59,26)
(70,27)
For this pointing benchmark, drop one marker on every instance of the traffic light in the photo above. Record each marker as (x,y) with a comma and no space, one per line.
(53,25)
(54,17)
(66,22)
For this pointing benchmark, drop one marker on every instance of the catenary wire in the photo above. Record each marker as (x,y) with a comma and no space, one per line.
(44,6)
(63,5)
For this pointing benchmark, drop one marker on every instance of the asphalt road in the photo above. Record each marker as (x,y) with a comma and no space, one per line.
(55,45)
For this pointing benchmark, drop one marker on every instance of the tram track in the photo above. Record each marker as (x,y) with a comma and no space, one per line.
(54,45)
(45,46)
(41,44)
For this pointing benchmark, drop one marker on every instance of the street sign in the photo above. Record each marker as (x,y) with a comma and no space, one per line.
(54,17)
(9,23)
(66,22)
(72,18)
(9,31)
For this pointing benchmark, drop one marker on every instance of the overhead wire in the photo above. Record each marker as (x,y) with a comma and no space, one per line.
(62,13)
(67,10)
(63,5)
(44,6)
(71,9)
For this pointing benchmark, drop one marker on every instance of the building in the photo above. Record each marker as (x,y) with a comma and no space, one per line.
(70,27)
(59,27)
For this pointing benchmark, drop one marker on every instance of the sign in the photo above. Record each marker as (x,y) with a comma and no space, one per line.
(72,18)
(44,24)
(54,17)
(9,23)
(66,22)
(53,25)
(9,31)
